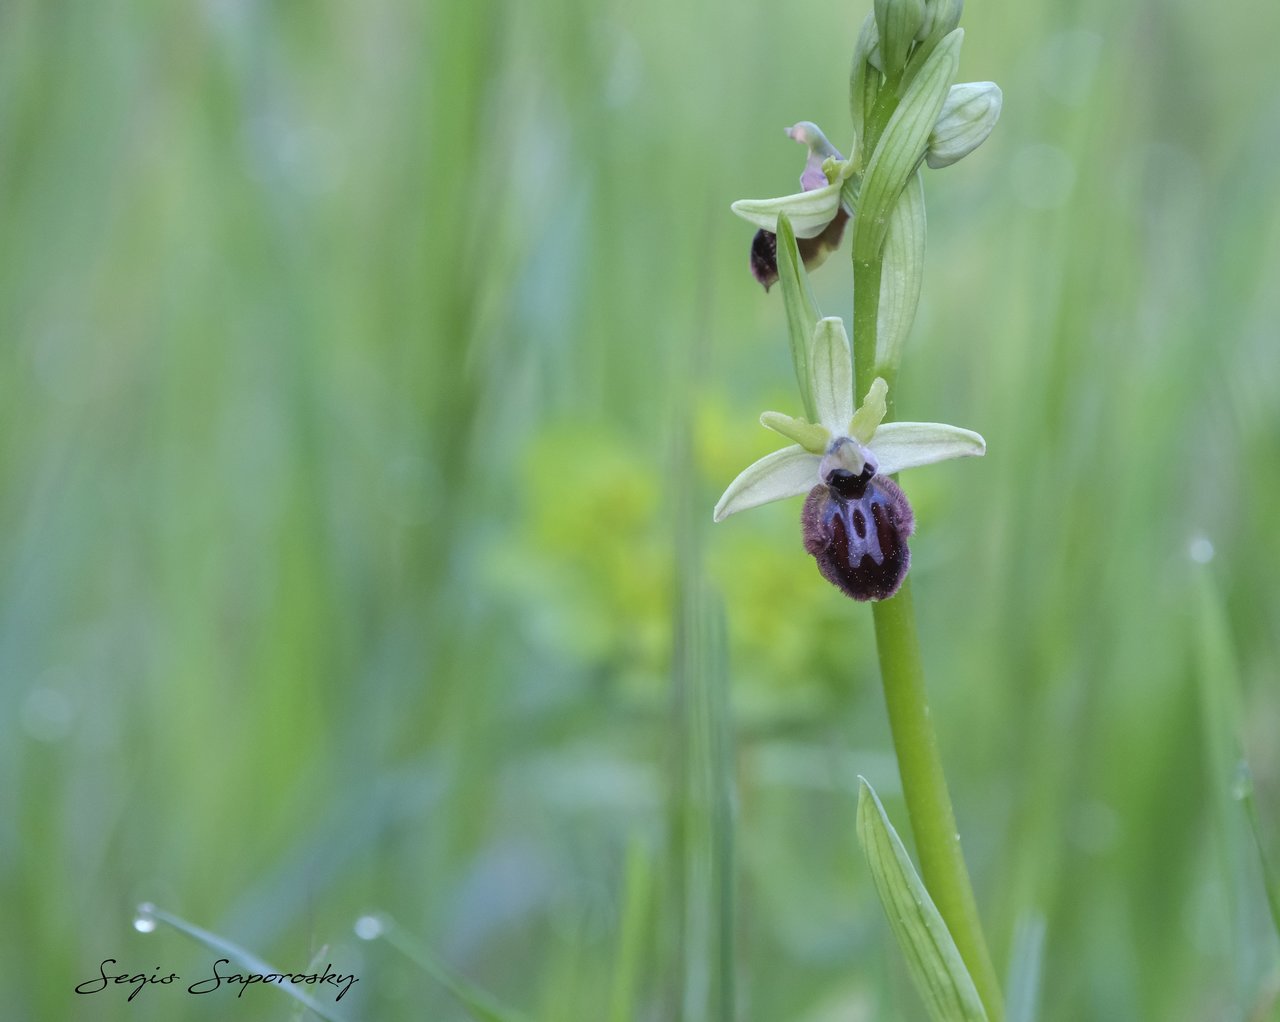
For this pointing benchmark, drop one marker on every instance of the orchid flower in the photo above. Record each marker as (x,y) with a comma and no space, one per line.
(821,209)
(856,520)
(818,212)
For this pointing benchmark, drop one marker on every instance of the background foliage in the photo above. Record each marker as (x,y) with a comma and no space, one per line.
(369,373)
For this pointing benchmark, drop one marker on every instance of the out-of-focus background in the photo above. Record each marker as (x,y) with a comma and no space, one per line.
(368,374)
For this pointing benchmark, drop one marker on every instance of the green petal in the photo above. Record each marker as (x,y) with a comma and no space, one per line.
(810,436)
(902,445)
(809,212)
(871,413)
(785,473)
(831,375)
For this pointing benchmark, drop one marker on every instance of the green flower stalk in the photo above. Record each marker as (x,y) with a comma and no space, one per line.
(907,113)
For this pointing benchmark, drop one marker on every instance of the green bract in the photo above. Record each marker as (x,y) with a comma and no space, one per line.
(889,447)
(903,145)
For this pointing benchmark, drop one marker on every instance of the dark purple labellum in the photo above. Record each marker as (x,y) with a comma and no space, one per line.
(764,257)
(813,251)
(856,528)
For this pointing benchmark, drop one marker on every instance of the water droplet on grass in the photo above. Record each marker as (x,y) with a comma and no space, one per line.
(1200,549)
(369,927)
(145,921)
(1242,783)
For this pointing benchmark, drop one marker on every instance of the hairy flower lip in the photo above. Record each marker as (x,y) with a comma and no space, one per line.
(859,542)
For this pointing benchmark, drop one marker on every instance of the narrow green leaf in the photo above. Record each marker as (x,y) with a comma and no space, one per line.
(637,895)
(902,275)
(1024,970)
(1221,719)
(1243,791)
(939,974)
(244,959)
(903,146)
(480,1004)
(801,309)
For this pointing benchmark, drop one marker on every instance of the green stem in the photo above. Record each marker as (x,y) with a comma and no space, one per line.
(866,311)
(924,786)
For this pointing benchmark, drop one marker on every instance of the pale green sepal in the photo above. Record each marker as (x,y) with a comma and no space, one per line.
(902,445)
(801,309)
(967,118)
(809,212)
(809,435)
(785,473)
(898,21)
(867,419)
(936,968)
(903,145)
(901,276)
(863,79)
(831,375)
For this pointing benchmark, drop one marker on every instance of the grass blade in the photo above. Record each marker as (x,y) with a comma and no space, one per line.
(637,895)
(482,1005)
(245,959)
(1023,987)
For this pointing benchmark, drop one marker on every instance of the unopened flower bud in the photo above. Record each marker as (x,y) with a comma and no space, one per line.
(940,17)
(968,115)
(898,22)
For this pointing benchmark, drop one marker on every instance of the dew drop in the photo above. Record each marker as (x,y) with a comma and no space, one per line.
(1242,783)
(369,927)
(144,921)
(1200,549)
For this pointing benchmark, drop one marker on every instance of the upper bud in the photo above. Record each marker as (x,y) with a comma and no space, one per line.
(940,18)
(968,115)
(898,22)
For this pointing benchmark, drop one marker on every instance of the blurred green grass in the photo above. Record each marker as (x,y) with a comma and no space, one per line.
(370,373)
